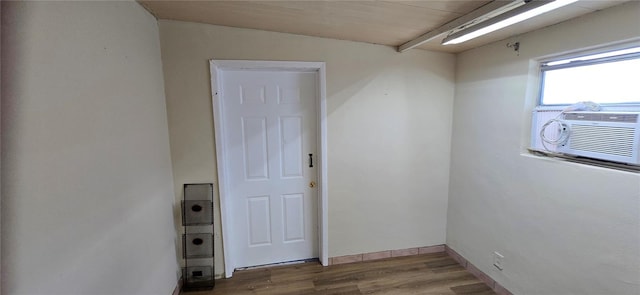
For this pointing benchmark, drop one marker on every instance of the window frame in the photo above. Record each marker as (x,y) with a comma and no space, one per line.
(542,66)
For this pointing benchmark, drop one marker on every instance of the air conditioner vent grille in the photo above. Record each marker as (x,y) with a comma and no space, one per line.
(610,140)
(602,117)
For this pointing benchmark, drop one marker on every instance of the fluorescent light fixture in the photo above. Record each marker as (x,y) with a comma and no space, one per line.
(521,13)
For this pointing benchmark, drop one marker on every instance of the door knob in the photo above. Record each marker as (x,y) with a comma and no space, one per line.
(312,184)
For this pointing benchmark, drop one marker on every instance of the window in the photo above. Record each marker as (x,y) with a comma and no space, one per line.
(606,78)
(589,109)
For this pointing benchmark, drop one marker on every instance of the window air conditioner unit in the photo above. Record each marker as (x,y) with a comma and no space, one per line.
(611,136)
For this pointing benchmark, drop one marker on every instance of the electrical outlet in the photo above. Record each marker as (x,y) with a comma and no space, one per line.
(498,260)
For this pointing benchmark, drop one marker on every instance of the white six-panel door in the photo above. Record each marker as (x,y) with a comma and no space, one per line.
(270,131)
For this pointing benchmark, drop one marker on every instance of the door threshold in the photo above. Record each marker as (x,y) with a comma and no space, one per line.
(278,264)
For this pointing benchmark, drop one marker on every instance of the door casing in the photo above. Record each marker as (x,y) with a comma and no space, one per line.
(216,68)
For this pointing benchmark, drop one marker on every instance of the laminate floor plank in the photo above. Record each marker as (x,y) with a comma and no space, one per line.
(475,289)
(417,282)
(435,273)
(444,264)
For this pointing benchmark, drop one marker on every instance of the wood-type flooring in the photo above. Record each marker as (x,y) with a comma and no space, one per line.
(420,274)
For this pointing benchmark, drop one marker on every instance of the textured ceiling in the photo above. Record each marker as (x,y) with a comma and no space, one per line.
(380,22)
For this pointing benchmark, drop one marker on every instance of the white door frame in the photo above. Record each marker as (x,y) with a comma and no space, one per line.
(216,66)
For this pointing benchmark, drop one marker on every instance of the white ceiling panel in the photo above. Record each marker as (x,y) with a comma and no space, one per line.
(379,22)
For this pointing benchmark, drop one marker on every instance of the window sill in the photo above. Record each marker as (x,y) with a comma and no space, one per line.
(585,161)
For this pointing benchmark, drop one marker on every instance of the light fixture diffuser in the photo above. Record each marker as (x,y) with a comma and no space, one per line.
(528,10)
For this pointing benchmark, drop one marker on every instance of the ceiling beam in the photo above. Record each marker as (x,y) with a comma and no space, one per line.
(428,36)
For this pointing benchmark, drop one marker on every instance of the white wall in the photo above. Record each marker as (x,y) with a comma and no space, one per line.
(0,153)
(87,189)
(389,126)
(563,228)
